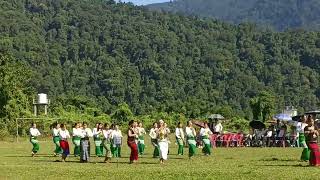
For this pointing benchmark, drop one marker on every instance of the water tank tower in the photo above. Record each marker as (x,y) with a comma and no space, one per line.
(42,100)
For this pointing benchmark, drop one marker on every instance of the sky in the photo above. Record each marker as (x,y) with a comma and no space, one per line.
(144,2)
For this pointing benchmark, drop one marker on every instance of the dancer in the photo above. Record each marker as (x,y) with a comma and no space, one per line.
(154,140)
(64,135)
(98,136)
(107,142)
(34,133)
(132,142)
(191,135)
(312,133)
(56,138)
(305,155)
(162,135)
(168,132)
(205,132)
(141,132)
(76,138)
(116,136)
(86,133)
(180,138)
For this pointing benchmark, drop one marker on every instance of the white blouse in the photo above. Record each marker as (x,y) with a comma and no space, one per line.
(141,131)
(86,133)
(190,132)
(64,134)
(205,132)
(179,133)
(107,133)
(76,132)
(153,133)
(55,132)
(34,132)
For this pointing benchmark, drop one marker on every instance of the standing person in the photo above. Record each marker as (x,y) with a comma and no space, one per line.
(154,140)
(168,132)
(191,136)
(180,138)
(305,155)
(34,133)
(76,138)
(116,141)
(98,137)
(141,144)
(132,142)
(107,142)
(56,138)
(64,135)
(205,132)
(311,133)
(86,133)
(162,135)
(218,128)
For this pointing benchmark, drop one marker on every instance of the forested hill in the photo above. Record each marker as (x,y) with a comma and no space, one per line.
(95,53)
(277,14)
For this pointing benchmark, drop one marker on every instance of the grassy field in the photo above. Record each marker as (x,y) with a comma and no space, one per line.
(225,163)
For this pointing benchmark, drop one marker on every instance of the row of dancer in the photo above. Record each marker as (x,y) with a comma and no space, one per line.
(110,139)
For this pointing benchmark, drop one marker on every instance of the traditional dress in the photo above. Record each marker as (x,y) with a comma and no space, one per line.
(305,155)
(98,137)
(205,133)
(107,143)
(34,133)
(191,135)
(76,138)
(56,140)
(116,142)
(163,143)
(141,145)
(85,145)
(64,135)
(133,146)
(154,141)
(312,141)
(180,140)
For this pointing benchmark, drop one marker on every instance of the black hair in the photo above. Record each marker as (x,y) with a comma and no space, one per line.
(131,122)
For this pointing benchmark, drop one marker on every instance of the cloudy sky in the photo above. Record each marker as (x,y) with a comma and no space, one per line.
(144,2)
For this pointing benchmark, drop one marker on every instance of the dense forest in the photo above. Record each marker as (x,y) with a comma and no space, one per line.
(276,14)
(116,60)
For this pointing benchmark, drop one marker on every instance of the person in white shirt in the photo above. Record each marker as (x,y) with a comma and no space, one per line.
(218,128)
(98,137)
(34,133)
(86,133)
(205,132)
(180,138)
(116,136)
(56,138)
(305,155)
(107,142)
(191,138)
(141,133)
(76,138)
(163,144)
(154,140)
(64,136)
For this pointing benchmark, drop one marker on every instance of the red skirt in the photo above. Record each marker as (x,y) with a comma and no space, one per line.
(65,147)
(314,154)
(134,150)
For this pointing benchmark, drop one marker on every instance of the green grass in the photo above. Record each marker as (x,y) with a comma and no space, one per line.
(225,163)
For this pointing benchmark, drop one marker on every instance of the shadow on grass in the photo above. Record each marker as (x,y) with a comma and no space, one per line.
(277,159)
(285,165)
(38,155)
